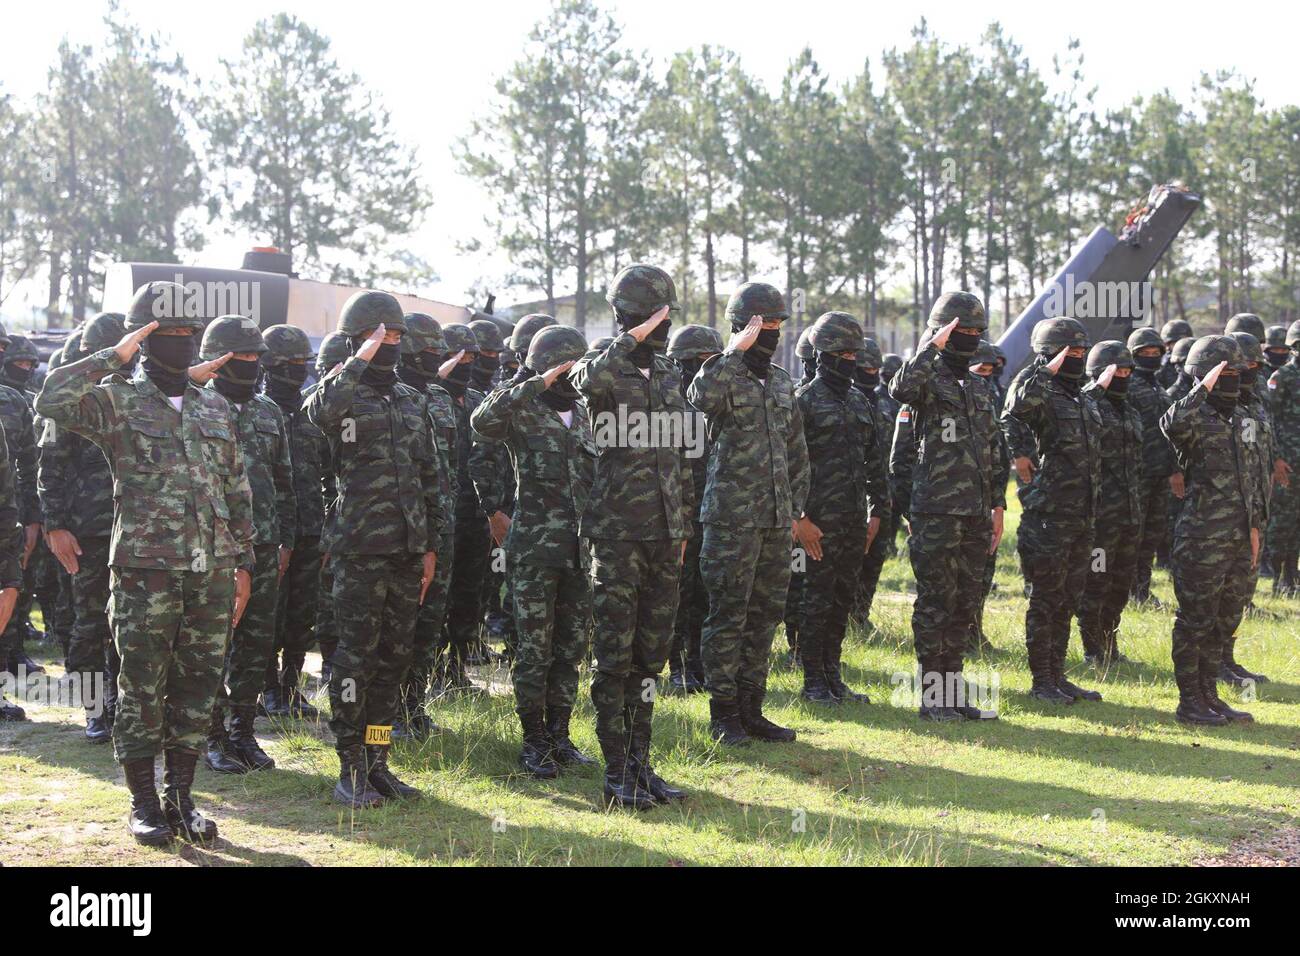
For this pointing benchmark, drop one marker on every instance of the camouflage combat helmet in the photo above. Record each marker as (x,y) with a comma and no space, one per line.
(56,359)
(891,363)
(869,354)
(1179,353)
(460,339)
(1246,322)
(21,349)
(231,333)
(803,348)
(1275,337)
(333,350)
(1144,338)
(1293,334)
(423,333)
(1052,335)
(984,354)
(284,344)
(555,345)
(836,332)
(102,332)
(1249,347)
(1000,355)
(72,344)
(1176,329)
(1106,353)
(966,307)
(693,341)
(161,302)
(1209,350)
(526,328)
(367,310)
(640,290)
(488,335)
(756,298)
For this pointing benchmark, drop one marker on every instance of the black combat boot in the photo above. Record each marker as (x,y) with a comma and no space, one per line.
(18,661)
(146,821)
(621,786)
(695,680)
(273,702)
(724,722)
(639,719)
(353,788)
(535,756)
(562,747)
(934,695)
(1042,671)
(220,756)
(10,711)
(833,667)
(1074,691)
(381,779)
(1210,694)
(178,806)
(955,685)
(815,687)
(243,742)
(749,702)
(299,706)
(97,729)
(1192,708)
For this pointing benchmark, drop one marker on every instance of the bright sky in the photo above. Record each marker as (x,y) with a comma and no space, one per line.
(434,64)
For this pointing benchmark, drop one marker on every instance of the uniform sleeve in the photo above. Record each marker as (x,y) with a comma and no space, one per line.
(912,381)
(796,461)
(878,505)
(52,477)
(26,460)
(1179,423)
(72,400)
(686,481)
(492,418)
(593,376)
(331,403)
(286,499)
(484,472)
(1023,413)
(11,573)
(709,391)
(1000,455)
(435,513)
(902,459)
(239,501)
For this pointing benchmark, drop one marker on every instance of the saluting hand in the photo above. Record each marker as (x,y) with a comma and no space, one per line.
(551,374)
(639,332)
(742,340)
(1212,378)
(1057,361)
(130,343)
(448,366)
(204,372)
(1104,379)
(371,345)
(940,338)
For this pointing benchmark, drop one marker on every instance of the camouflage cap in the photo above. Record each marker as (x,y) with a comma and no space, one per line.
(1179,353)
(367,310)
(161,302)
(231,333)
(1249,346)
(334,349)
(102,332)
(1106,353)
(21,349)
(555,345)
(640,290)
(803,348)
(836,332)
(966,307)
(1246,322)
(1144,338)
(1052,335)
(1176,329)
(1276,337)
(1209,350)
(488,335)
(869,355)
(423,334)
(756,298)
(286,343)
(526,328)
(693,341)
(460,339)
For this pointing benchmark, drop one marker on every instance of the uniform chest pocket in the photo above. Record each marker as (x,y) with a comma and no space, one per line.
(747,409)
(546,460)
(268,436)
(630,390)
(218,446)
(156,445)
(368,436)
(1069,422)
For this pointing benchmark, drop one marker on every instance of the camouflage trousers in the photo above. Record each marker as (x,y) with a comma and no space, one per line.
(977,640)
(327,632)
(1108,584)
(90,649)
(692,605)
(1056,553)
(869,568)
(949,554)
(1213,583)
(1173,507)
(465,590)
(253,641)
(376,599)
(794,602)
(747,574)
(634,602)
(428,626)
(171,629)
(295,614)
(829,586)
(1282,539)
(552,608)
(1155,526)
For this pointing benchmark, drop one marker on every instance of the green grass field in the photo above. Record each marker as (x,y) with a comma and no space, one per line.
(1119,782)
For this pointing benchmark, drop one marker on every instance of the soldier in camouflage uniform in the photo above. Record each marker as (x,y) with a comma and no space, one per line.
(424,352)
(382,540)
(75,485)
(957,494)
(260,432)
(20,435)
(984,364)
(11,575)
(637,521)
(334,351)
(1121,444)
(807,356)
(538,418)
(181,550)
(1053,436)
(847,497)
(286,360)
(690,346)
(1160,478)
(866,379)
(755,496)
(1217,538)
(1284,519)
(1171,333)
(889,409)
(1276,354)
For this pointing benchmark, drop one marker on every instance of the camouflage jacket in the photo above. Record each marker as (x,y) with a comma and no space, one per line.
(885,404)
(758,474)
(642,489)
(555,466)
(442,413)
(959,468)
(1179,389)
(181,499)
(1122,438)
(75,484)
(265,444)
(846,462)
(493,474)
(1284,404)
(884,410)
(1261,448)
(309,454)
(20,434)
(1060,436)
(1221,504)
(902,461)
(11,546)
(1151,401)
(467,509)
(384,456)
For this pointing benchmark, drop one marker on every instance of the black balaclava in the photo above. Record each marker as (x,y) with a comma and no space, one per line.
(1148,363)
(15,376)
(1227,390)
(167,361)
(1249,376)
(561,395)
(690,367)
(1117,390)
(1070,374)
(458,379)
(836,372)
(482,370)
(758,357)
(643,353)
(958,350)
(381,372)
(866,381)
(237,379)
(419,369)
(809,369)
(1277,359)
(284,384)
